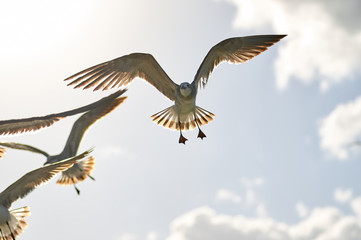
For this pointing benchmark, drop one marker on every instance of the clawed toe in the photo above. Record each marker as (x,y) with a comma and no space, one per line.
(182,139)
(201,134)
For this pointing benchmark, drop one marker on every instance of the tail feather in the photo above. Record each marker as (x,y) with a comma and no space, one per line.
(2,152)
(168,118)
(79,172)
(15,225)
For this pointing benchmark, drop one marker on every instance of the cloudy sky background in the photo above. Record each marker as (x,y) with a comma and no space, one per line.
(277,162)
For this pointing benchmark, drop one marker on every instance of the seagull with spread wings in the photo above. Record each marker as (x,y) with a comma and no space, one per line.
(15,126)
(82,169)
(184,114)
(12,222)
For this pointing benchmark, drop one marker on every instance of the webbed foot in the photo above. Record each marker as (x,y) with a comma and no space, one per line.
(201,134)
(182,139)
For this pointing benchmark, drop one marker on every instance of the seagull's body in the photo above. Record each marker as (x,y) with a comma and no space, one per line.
(184,114)
(82,169)
(12,222)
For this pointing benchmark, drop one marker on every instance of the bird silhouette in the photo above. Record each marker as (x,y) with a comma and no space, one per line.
(12,222)
(82,169)
(15,126)
(184,114)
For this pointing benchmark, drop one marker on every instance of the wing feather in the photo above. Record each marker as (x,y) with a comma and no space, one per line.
(25,147)
(84,122)
(31,180)
(128,67)
(233,50)
(14,126)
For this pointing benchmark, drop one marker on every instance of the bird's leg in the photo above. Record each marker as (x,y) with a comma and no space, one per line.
(200,133)
(12,234)
(91,177)
(181,138)
(76,189)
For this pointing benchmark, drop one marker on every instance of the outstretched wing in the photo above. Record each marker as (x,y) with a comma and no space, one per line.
(31,180)
(120,71)
(84,122)
(23,125)
(233,50)
(21,146)
(35,123)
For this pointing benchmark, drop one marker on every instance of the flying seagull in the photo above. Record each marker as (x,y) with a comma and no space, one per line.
(80,170)
(12,222)
(23,125)
(184,114)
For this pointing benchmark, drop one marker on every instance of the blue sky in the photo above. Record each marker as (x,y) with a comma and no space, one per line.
(276,163)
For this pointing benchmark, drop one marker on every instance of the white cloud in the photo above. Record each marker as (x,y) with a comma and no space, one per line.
(342,195)
(320,43)
(248,199)
(110,150)
(261,210)
(152,236)
(227,195)
(327,223)
(301,209)
(356,206)
(340,128)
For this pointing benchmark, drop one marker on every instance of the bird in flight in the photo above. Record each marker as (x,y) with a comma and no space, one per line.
(12,222)
(184,114)
(15,126)
(82,169)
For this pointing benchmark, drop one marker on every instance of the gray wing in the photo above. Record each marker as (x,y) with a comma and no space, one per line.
(23,125)
(31,180)
(233,50)
(35,123)
(85,121)
(21,146)
(121,71)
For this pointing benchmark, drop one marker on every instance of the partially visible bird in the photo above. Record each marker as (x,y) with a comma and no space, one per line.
(23,125)
(80,170)
(184,114)
(12,222)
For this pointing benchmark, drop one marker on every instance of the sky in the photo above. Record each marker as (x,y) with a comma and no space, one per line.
(278,161)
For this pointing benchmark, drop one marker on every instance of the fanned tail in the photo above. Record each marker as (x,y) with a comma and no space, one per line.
(15,225)
(168,118)
(79,172)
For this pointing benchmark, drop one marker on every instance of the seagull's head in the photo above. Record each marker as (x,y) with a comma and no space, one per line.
(185,89)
